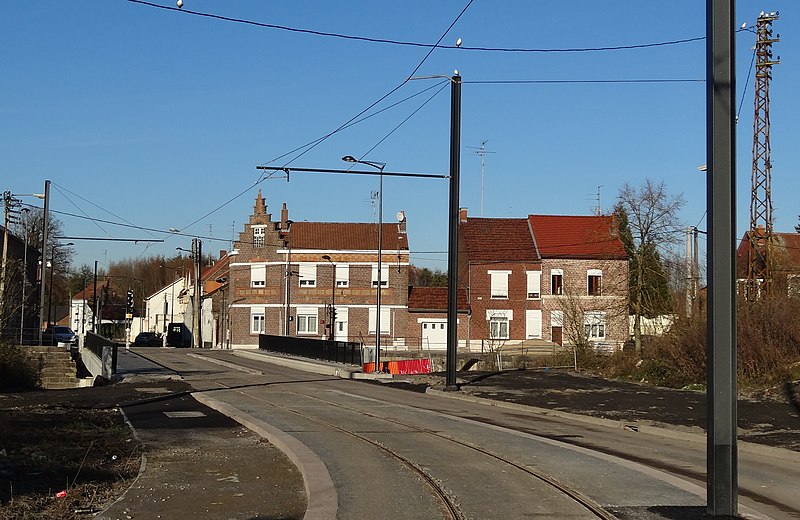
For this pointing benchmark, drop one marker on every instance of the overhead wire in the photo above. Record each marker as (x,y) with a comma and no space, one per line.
(388,41)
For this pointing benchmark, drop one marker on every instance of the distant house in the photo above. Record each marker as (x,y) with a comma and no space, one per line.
(287,276)
(110,304)
(427,317)
(556,278)
(784,259)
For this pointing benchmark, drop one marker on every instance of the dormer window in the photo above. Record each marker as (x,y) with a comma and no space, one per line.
(258,236)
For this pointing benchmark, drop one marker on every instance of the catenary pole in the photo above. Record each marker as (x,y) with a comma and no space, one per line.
(722,485)
(452,249)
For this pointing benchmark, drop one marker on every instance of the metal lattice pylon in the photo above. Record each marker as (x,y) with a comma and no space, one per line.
(758,270)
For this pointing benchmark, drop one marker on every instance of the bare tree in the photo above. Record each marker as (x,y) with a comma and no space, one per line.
(650,215)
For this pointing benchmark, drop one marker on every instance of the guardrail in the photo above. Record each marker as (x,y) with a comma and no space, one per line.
(99,355)
(337,351)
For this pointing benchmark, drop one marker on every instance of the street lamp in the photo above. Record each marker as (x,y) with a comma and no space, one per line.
(379,166)
(52,269)
(333,296)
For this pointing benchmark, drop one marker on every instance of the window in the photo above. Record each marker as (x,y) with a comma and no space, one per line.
(533,324)
(342,276)
(556,281)
(593,279)
(498,328)
(499,321)
(385,320)
(307,275)
(384,276)
(499,284)
(557,319)
(594,324)
(257,322)
(258,236)
(534,284)
(258,275)
(306,320)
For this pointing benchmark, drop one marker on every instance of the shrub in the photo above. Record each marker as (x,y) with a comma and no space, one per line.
(17,370)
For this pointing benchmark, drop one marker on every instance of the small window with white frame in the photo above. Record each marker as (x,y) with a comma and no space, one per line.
(594,278)
(594,324)
(257,322)
(307,275)
(534,284)
(386,325)
(499,323)
(258,275)
(342,275)
(384,275)
(499,284)
(306,320)
(258,236)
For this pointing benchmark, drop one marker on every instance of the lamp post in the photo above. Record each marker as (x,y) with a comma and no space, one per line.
(379,166)
(197,254)
(45,230)
(333,297)
(52,270)
(24,282)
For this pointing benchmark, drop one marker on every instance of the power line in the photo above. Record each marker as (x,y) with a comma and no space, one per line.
(419,44)
(580,81)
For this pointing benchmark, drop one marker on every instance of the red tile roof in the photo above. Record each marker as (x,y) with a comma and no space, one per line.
(572,236)
(346,236)
(786,247)
(507,239)
(421,299)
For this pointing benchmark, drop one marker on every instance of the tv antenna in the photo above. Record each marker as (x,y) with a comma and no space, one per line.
(482,151)
(598,209)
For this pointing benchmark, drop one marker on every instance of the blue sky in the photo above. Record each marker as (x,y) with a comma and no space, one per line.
(157,117)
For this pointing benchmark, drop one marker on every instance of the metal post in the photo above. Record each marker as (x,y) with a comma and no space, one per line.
(722,485)
(452,249)
(94,300)
(45,230)
(24,284)
(380,249)
(288,284)
(50,292)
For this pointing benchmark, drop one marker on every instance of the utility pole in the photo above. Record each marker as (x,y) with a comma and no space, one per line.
(45,230)
(482,152)
(7,218)
(197,252)
(759,270)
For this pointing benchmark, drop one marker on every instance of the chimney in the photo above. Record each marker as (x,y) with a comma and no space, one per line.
(222,253)
(462,215)
(284,217)
(401,222)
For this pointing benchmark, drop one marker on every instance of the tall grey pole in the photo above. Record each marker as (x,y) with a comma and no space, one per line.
(45,230)
(94,301)
(722,484)
(452,248)
(378,298)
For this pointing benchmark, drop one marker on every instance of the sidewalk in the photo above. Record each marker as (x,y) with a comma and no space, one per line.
(197,462)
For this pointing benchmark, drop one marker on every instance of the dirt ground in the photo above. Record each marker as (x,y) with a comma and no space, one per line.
(65,454)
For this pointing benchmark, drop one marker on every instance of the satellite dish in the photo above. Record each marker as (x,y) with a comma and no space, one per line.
(401,216)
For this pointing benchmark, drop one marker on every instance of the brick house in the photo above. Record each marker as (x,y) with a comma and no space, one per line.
(550,278)
(285,275)
(784,261)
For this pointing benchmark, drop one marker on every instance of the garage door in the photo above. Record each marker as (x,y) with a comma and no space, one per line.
(434,335)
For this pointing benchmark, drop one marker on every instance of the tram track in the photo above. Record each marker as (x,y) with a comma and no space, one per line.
(450,508)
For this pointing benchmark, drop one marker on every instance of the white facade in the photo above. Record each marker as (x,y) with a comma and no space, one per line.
(170,304)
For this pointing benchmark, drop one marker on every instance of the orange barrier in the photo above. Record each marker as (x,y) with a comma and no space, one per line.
(404,366)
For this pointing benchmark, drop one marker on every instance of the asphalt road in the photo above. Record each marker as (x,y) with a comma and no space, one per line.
(357,431)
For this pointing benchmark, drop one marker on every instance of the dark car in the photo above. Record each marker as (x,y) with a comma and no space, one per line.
(147,339)
(55,334)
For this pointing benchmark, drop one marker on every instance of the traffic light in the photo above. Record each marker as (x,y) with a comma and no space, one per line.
(333,314)
(130,301)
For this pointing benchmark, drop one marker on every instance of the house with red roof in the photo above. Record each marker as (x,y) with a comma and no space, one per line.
(784,258)
(287,277)
(427,317)
(545,278)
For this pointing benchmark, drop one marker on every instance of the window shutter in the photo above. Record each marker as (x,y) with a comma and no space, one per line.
(533,324)
(499,283)
(258,275)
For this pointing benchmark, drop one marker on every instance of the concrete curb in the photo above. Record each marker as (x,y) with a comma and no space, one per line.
(323,501)
(306,365)
(633,426)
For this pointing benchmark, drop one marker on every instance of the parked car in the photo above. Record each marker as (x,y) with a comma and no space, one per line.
(147,339)
(55,334)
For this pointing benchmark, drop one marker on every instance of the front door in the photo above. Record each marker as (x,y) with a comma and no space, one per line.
(556,335)
(340,327)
